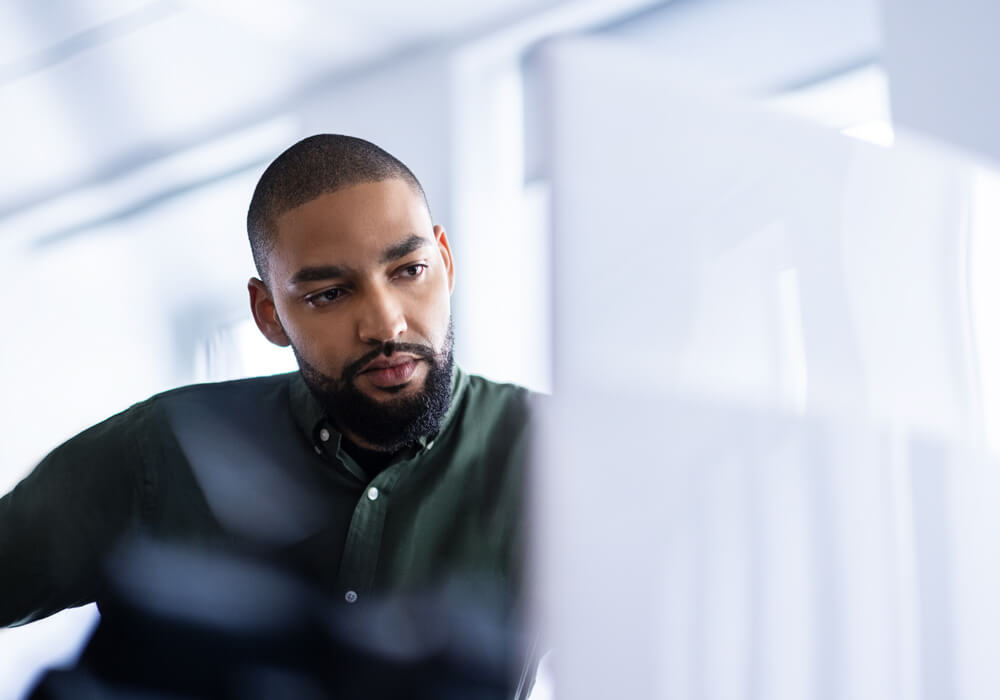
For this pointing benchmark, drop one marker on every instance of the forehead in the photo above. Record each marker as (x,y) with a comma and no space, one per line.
(352,225)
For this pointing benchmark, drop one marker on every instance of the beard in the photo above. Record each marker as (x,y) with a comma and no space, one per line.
(395,423)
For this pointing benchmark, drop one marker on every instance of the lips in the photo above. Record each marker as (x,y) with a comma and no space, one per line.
(389,371)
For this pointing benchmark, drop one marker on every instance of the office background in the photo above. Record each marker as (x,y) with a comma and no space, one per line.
(133,133)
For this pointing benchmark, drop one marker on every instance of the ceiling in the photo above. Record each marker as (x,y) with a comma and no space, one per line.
(91,90)
(100,92)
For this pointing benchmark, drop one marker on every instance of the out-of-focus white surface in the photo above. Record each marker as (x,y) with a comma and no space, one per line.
(26,652)
(765,472)
(714,551)
(745,238)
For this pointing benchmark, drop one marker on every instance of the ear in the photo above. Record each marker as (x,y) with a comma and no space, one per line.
(445,248)
(265,314)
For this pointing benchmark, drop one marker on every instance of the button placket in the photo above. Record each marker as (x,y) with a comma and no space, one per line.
(364,539)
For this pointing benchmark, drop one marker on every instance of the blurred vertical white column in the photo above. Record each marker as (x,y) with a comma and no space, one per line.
(501,239)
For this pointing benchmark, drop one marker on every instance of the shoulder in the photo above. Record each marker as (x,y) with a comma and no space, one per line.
(484,402)
(248,407)
(235,390)
(487,388)
(137,422)
(484,392)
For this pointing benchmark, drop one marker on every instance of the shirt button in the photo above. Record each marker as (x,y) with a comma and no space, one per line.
(324,434)
(351,597)
(372,493)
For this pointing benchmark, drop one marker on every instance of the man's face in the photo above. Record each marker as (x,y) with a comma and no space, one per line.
(360,285)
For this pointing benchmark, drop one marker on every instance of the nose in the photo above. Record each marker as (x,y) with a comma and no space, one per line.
(382,318)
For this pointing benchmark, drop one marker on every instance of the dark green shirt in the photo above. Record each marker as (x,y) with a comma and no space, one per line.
(255,464)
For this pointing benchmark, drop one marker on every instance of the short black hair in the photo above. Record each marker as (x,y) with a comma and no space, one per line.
(314,166)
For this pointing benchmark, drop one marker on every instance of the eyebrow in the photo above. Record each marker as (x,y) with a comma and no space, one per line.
(404,247)
(318,273)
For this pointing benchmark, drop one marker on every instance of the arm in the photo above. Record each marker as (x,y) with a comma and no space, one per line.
(59,523)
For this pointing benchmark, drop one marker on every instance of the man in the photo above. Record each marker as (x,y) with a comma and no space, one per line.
(378,468)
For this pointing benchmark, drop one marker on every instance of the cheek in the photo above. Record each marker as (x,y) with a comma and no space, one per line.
(328,358)
(319,341)
(434,312)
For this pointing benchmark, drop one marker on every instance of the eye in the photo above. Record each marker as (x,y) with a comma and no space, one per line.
(326,297)
(412,271)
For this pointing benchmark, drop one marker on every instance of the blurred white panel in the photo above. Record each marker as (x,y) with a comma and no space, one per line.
(705,208)
(727,552)
(766,332)
(942,61)
(736,553)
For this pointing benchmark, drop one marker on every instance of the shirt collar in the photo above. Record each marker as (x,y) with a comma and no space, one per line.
(311,418)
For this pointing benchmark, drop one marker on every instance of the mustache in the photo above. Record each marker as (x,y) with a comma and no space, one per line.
(353,369)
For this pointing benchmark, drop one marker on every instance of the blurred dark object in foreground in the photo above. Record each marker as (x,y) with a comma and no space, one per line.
(178,623)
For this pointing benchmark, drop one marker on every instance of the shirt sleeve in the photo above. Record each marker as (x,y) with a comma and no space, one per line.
(59,524)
